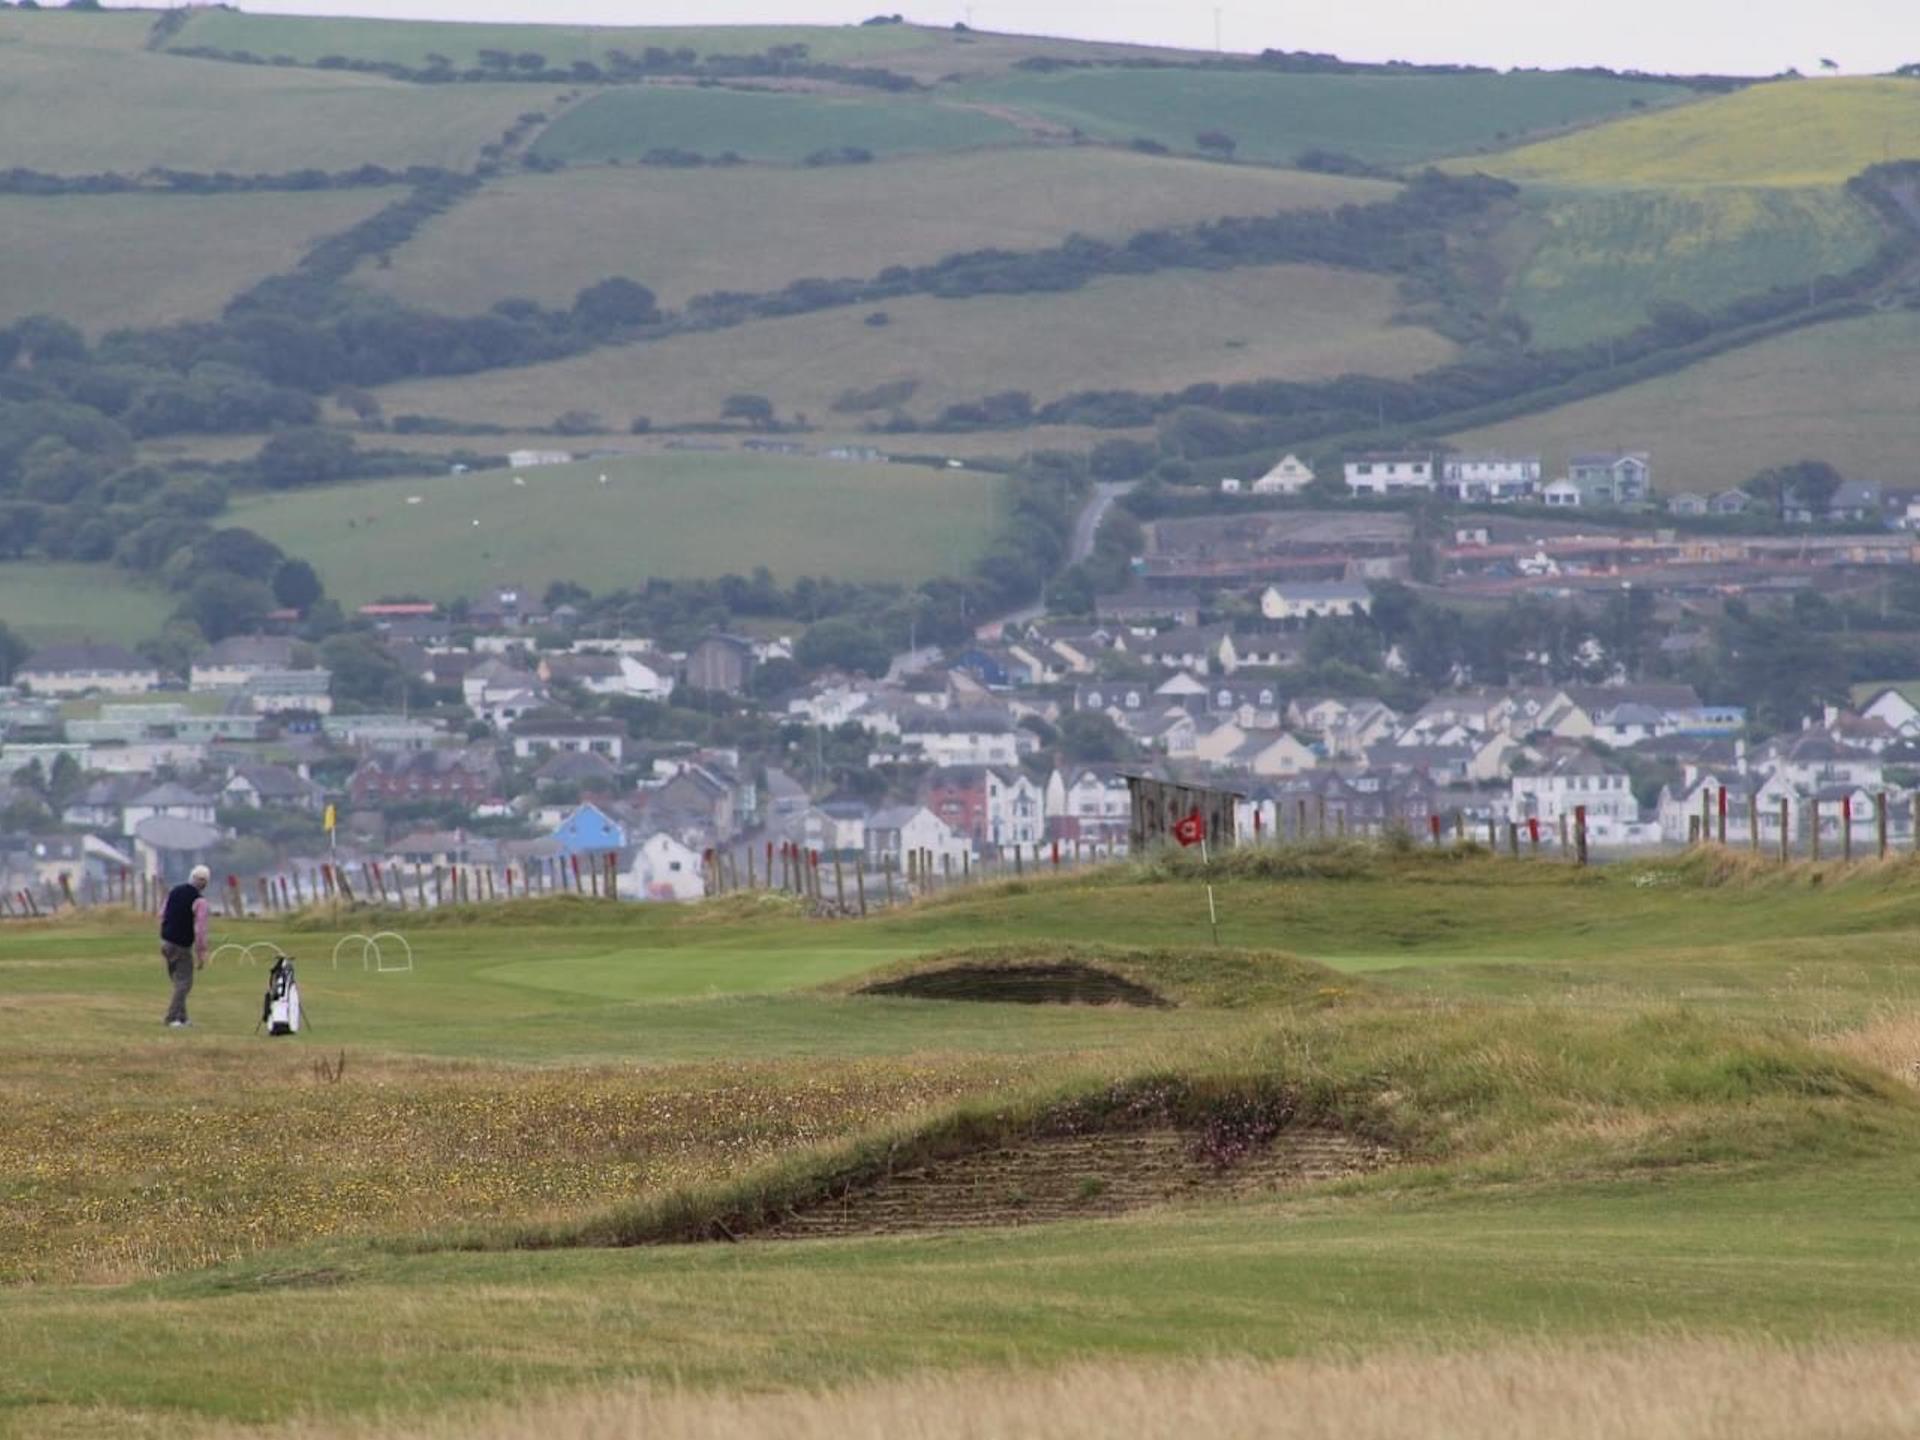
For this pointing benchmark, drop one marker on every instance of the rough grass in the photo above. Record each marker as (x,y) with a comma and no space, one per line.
(1293,321)
(625,124)
(83,111)
(1786,133)
(114,261)
(1602,257)
(664,515)
(1673,1389)
(689,232)
(1836,392)
(1390,120)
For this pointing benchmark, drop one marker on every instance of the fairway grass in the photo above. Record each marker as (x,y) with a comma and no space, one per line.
(109,262)
(672,515)
(625,124)
(1626,1113)
(1392,120)
(1840,392)
(1788,132)
(1117,332)
(690,232)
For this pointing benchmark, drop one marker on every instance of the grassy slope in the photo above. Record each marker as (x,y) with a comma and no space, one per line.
(1791,133)
(74,110)
(1839,392)
(1603,256)
(113,261)
(668,515)
(1145,332)
(626,123)
(49,602)
(410,42)
(1391,120)
(686,232)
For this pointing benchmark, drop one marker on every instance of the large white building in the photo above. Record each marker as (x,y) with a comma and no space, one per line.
(1574,781)
(1316,600)
(1490,479)
(1289,476)
(1387,473)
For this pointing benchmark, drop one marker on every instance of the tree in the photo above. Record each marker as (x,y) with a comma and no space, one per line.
(1806,484)
(606,307)
(1087,735)
(13,653)
(236,551)
(296,585)
(1216,142)
(363,673)
(223,605)
(308,456)
(756,410)
(843,644)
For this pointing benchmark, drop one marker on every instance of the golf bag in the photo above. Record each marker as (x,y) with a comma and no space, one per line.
(281,1012)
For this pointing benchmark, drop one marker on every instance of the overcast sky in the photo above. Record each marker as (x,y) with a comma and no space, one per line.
(1731,36)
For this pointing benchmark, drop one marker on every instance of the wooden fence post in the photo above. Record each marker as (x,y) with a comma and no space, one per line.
(1723,817)
(1846,828)
(1513,839)
(860,883)
(886,871)
(1813,824)
(1880,821)
(1753,821)
(1580,831)
(839,884)
(1786,829)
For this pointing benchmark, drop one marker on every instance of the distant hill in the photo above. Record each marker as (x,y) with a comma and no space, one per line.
(876,227)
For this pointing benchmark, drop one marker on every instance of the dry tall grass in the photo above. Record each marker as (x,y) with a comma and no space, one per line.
(1696,1389)
(1890,1042)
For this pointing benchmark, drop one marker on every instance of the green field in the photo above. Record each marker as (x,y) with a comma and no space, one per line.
(1840,392)
(1388,120)
(73,110)
(72,29)
(47,602)
(689,232)
(761,125)
(1602,257)
(108,262)
(671,516)
(1653,1122)
(411,42)
(1793,133)
(1142,332)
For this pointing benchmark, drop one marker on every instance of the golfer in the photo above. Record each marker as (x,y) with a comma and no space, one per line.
(183,940)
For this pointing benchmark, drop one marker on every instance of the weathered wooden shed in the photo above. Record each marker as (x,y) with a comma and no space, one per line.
(1159,805)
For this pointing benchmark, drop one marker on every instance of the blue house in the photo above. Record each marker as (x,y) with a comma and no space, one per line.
(988,668)
(589,831)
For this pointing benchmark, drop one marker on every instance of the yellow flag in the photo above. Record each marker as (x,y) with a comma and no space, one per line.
(327,820)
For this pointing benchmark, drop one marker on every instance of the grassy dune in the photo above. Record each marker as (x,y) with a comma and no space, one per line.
(1603,256)
(114,261)
(73,110)
(1839,392)
(759,125)
(665,515)
(1390,120)
(1790,133)
(1119,331)
(686,232)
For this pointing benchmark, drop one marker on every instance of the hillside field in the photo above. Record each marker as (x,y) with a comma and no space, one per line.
(1652,1116)
(1601,257)
(624,124)
(1791,132)
(45,602)
(109,262)
(1387,120)
(671,516)
(1291,321)
(690,232)
(1841,392)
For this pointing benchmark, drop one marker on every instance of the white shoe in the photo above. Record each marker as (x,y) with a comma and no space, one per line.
(179,1024)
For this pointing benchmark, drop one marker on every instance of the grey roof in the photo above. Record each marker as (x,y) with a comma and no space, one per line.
(170,794)
(64,659)
(173,832)
(271,651)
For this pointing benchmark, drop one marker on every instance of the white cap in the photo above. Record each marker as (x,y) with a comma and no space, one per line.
(200,875)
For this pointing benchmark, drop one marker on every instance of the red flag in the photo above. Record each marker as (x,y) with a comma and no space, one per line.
(1190,831)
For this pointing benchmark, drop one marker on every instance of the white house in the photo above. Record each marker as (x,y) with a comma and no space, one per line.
(664,868)
(962,738)
(1573,781)
(1229,485)
(532,459)
(1490,479)
(1016,808)
(236,660)
(167,802)
(1089,802)
(637,674)
(1270,753)
(276,692)
(1392,473)
(1562,494)
(1895,710)
(1289,476)
(84,669)
(895,832)
(1315,600)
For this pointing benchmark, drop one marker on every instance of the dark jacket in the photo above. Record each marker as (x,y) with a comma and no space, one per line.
(176,921)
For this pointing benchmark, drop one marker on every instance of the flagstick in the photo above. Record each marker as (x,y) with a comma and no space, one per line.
(1213,916)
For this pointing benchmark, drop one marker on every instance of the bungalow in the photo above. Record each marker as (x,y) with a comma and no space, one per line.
(170,801)
(1385,473)
(86,669)
(1687,503)
(272,786)
(170,846)
(898,831)
(1490,479)
(1316,600)
(1260,650)
(637,674)
(589,830)
(1729,502)
(538,735)
(1189,647)
(665,868)
(1289,476)
(233,662)
(1273,752)
(1139,604)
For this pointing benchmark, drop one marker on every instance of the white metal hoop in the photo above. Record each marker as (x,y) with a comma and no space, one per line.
(245,952)
(373,955)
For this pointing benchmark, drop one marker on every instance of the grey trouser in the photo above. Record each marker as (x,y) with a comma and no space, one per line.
(180,971)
